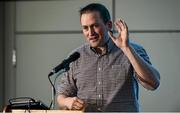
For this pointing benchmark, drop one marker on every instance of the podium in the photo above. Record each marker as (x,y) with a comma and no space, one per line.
(46,111)
(8,110)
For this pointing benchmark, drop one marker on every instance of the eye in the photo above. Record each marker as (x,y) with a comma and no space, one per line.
(96,25)
(85,28)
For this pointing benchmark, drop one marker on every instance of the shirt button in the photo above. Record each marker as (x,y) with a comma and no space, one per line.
(99,82)
(99,69)
(99,96)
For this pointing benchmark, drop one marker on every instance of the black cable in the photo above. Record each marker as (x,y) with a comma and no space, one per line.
(51,73)
(53,84)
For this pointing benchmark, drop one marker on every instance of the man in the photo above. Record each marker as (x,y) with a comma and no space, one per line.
(106,76)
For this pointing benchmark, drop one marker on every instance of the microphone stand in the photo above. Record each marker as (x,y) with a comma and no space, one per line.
(53,90)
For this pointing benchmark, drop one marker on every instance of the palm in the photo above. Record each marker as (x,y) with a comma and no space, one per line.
(122,39)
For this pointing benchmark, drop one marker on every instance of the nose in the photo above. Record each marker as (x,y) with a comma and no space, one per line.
(91,31)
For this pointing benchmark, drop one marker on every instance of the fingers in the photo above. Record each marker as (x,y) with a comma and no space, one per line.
(125,25)
(118,27)
(77,104)
(80,101)
(121,25)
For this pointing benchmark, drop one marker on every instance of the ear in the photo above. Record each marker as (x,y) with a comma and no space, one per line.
(109,25)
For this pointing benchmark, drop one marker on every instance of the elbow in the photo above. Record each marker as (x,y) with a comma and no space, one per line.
(156,83)
(151,87)
(152,84)
(155,86)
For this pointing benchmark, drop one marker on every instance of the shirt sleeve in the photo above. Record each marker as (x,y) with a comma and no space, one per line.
(66,84)
(142,53)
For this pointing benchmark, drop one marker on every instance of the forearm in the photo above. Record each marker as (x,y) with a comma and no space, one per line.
(146,73)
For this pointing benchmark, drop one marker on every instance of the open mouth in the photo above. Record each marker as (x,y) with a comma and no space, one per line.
(93,39)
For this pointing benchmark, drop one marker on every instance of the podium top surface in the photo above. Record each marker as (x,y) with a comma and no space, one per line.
(46,111)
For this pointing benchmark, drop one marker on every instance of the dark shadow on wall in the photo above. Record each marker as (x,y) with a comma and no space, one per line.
(1,55)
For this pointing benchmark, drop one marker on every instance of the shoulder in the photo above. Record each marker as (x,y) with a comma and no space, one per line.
(136,46)
(140,51)
(81,49)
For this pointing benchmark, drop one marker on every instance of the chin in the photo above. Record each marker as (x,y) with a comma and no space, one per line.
(94,45)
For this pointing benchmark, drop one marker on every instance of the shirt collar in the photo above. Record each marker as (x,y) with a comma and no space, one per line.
(109,45)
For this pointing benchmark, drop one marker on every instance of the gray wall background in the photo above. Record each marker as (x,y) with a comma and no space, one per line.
(44,32)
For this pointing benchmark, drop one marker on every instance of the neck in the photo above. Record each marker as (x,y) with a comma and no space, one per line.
(103,49)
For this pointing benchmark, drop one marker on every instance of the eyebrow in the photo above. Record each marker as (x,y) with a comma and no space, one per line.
(90,25)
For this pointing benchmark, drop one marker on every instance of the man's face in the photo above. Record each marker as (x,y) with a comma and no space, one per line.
(94,28)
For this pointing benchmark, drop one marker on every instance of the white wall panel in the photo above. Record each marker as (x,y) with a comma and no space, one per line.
(164,53)
(51,15)
(149,14)
(36,56)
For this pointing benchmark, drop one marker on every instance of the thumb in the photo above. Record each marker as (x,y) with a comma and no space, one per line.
(111,35)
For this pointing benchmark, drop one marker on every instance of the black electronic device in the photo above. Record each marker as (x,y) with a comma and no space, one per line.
(26,103)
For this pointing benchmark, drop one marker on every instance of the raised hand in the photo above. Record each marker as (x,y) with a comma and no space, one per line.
(122,40)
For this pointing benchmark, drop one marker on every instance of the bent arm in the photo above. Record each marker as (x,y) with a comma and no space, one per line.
(148,76)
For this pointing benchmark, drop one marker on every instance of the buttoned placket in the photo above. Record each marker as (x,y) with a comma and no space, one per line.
(99,97)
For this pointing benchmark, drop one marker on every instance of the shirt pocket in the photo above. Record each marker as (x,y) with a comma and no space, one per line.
(119,72)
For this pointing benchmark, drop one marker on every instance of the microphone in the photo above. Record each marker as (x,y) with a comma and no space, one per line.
(65,63)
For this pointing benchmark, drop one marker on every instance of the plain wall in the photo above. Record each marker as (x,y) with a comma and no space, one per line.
(44,32)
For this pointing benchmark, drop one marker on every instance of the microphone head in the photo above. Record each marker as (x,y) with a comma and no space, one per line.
(65,63)
(74,56)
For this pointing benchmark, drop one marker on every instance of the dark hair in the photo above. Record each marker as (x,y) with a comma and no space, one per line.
(104,13)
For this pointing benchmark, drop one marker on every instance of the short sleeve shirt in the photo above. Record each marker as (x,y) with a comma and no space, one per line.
(104,82)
